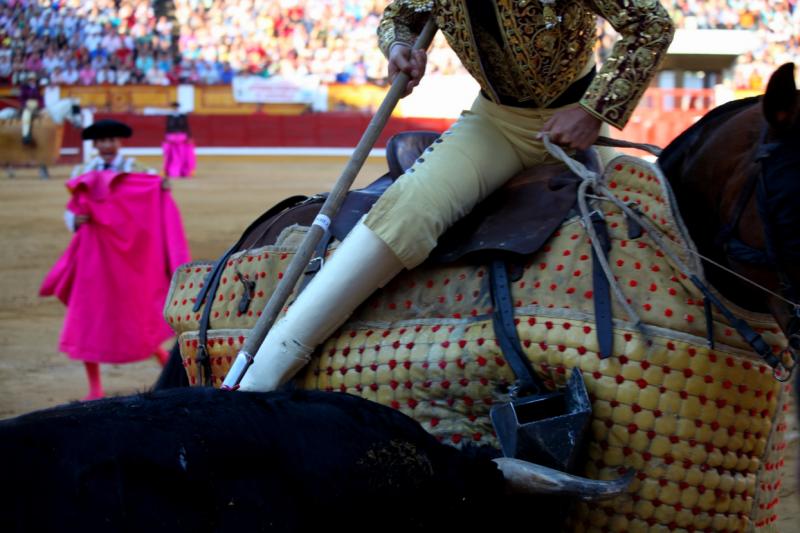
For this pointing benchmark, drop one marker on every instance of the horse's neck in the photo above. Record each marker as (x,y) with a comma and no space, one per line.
(708,188)
(704,170)
(58,111)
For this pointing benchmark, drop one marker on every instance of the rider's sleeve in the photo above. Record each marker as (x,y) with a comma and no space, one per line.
(69,220)
(402,22)
(646,32)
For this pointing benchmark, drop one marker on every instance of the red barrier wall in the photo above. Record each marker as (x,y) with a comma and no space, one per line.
(344,130)
(328,130)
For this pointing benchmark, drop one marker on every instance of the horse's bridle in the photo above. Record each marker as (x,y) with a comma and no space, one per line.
(737,250)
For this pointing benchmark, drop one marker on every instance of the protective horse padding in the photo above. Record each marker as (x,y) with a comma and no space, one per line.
(47,140)
(703,427)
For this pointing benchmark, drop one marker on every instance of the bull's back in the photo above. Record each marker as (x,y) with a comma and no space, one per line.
(202,459)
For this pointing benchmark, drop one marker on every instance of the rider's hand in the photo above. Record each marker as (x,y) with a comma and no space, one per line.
(166,184)
(573,128)
(80,220)
(403,59)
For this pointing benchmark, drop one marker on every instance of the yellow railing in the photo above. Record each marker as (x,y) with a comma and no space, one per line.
(208,100)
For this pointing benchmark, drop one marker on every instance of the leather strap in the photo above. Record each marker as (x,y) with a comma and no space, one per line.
(603,316)
(219,266)
(709,314)
(755,340)
(209,289)
(317,260)
(506,332)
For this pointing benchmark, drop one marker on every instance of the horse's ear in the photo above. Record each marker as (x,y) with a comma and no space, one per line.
(780,100)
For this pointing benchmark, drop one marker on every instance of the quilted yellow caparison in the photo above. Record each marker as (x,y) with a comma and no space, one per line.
(703,427)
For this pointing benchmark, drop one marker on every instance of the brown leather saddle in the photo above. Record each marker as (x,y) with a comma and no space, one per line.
(513,222)
(516,219)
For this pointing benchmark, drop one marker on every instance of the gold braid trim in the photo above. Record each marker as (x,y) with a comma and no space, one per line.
(402,21)
(646,32)
(547,56)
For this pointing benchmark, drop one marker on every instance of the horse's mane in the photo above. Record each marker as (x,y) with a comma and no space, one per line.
(673,154)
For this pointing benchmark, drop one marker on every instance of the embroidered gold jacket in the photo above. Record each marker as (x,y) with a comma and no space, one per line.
(545,57)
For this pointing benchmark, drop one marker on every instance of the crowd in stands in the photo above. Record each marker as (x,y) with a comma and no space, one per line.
(209,41)
(776,22)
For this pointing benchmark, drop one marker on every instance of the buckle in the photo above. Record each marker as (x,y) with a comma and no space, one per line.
(314,265)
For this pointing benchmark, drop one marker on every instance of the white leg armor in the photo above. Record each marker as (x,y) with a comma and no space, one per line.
(361,264)
(27,118)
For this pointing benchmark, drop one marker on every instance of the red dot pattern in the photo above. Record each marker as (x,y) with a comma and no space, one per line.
(703,429)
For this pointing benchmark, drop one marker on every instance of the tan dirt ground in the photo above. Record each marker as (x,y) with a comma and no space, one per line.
(217,204)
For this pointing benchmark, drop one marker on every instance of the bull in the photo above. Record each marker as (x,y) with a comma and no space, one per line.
(201,459)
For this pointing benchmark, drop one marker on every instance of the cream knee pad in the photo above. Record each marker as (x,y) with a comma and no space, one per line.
(278,358)
(26,119)
(360,265)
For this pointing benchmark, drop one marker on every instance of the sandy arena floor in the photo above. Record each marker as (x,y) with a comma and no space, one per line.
(222,199)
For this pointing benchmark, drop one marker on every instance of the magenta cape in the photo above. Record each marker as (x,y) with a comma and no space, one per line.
(115,273)
(179,158)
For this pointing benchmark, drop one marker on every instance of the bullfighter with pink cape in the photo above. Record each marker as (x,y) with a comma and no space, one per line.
(179,158)
(115,273)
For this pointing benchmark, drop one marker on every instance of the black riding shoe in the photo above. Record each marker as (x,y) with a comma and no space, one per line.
(27,140)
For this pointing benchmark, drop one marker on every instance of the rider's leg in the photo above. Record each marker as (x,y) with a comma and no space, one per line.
(95,385)
(27,120)
(361,264)
(464,166)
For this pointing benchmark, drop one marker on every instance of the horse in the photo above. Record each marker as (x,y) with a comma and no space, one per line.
(736,176)
(47,130)
(682,398)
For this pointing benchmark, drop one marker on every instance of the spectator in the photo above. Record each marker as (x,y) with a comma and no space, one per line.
(332,40)
(87,74)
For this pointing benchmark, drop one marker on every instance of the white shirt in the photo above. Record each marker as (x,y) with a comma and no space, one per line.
(120,164)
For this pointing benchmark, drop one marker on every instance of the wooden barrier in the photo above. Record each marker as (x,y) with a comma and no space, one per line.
(219,121)
(208,100)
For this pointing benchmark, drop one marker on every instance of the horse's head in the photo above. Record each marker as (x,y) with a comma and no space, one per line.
(66,109)
(760,236)
(775,232)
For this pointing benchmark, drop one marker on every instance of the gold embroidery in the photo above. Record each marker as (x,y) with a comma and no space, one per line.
(549,43)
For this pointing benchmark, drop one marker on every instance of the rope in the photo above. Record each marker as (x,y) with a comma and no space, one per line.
(592,179)
(751,282)
(653,229)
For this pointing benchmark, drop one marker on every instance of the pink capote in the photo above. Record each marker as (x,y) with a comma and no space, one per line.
(115,273)
(179,158)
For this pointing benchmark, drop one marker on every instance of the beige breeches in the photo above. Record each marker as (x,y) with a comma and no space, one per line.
(488,144)
(28,110)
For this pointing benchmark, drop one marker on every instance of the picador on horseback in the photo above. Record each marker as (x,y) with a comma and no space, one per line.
(684,408)
(34,133)
(534,63)
(31,101)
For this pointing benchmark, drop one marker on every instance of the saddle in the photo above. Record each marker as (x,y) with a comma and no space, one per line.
(515,221)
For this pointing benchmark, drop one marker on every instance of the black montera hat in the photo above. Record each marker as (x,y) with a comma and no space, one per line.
(106,129)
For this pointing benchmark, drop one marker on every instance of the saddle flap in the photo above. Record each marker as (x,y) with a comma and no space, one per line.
(404,149)
(519,217)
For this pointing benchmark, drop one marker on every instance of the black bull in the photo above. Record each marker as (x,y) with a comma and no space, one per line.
(207,460)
